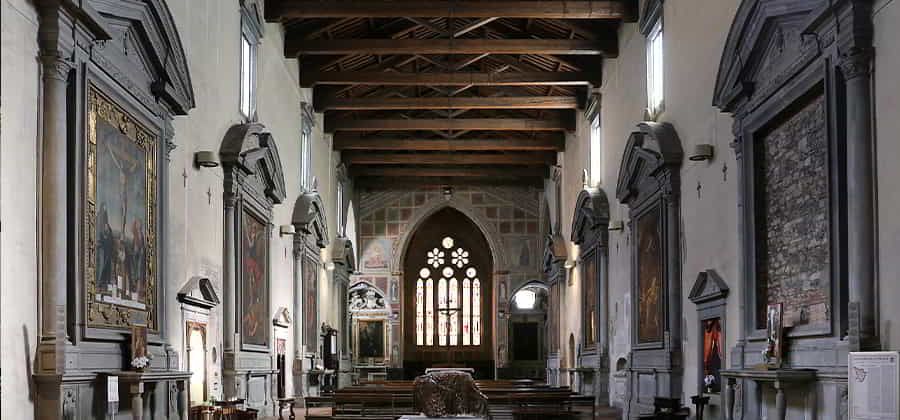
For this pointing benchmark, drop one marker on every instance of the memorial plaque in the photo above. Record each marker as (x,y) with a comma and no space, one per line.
(874,381)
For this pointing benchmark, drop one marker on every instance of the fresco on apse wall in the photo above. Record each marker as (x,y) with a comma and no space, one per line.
(512,212)
(254,284)
(371,339)
(793,239)
(377,254)
(120,209)
(649,282)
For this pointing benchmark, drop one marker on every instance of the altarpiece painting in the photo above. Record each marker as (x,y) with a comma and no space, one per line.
(120,217)
(254,282)
(649,278)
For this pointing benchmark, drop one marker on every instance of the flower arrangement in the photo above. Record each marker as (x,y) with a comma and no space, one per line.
(140,362)
(709,381)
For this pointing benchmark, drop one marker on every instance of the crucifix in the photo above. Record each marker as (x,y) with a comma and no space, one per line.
(209,195)
(184,176)
(448,313)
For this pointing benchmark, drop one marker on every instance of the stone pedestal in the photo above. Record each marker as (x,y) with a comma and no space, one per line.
(133,383)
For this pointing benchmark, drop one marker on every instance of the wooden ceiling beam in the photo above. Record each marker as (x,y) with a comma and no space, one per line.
(455,102)
(351,142)
(547,9)
(390,78)
(294,47)
(390,183)
(494,124)
(513,158)
(431,171)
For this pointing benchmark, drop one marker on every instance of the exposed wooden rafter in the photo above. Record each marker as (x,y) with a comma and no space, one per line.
(355,142)
(309,78)
(449,102)
(294,47)
(465,158)
(418,124)
(547,9)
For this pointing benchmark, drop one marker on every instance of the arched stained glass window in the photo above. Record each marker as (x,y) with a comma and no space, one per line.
(456,310)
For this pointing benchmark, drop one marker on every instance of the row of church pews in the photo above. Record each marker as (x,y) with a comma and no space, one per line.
(507,400)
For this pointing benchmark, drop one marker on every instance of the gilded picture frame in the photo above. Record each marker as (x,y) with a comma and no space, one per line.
(119,227)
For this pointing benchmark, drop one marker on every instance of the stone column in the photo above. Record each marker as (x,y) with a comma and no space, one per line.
(228,269)
(299,320)
(856,68)
(603,312)
(54,199)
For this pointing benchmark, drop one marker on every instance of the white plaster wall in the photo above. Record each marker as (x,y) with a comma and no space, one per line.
(887,126)
(210,32)
(19,145)
(694,35)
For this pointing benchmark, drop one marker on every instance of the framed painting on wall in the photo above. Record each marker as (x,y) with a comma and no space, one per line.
(371,339)
(254,259)
(310,304)
(120,209)
(712,354)
(650,287)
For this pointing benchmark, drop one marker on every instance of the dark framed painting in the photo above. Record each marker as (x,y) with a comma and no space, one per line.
(120,209)
(589,298)
(371,339)
(649,278)
(713,357)
(310,272)
(254,259)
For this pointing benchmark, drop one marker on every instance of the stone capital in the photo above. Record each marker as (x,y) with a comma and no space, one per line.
(856,63)
(56,67)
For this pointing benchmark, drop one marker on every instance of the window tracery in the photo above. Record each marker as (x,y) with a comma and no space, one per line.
(455,306)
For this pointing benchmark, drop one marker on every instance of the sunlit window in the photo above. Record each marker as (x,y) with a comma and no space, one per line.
(248,76)
(305,161)
(655,69)
(455,310)
(525,299)
(596,156)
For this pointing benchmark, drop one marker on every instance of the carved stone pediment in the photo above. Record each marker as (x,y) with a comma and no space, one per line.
(152,46)
(708,286)
(649,163)
(309,217)
(282,318)
(200,292)
(366,297)
(768,41)
(252,150)
(342,254)
(591,217)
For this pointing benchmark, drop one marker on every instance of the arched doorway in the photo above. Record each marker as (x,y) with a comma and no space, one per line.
(448,298)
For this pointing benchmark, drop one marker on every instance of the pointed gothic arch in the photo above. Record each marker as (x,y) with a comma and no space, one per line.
(448,296)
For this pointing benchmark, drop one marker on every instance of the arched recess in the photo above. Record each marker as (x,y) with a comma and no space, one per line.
(253,185)
(527,333)
(448,252)
(649,184)
(589,232)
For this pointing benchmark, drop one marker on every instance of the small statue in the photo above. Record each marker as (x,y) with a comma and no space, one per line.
(447,394)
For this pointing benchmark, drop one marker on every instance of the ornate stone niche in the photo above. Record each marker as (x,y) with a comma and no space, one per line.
(343,257)
(113,77)
(796,77)
(649,184)
(555,254)
(253,185)
(308,218)
(710,294)
(589,232)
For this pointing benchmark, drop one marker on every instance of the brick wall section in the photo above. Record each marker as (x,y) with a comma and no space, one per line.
(793,254)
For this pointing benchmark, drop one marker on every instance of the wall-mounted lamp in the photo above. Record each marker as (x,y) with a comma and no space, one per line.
(206,159)
(448,192)
(287,230)
(615,225)
(329,266)
(702,152)
(569,264)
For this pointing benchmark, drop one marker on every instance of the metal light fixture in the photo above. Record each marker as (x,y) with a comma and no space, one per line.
(206,159)
(287,230)
(702,152)
(569,264)
(615,225)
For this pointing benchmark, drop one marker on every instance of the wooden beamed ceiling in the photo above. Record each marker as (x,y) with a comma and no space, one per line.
(435,92)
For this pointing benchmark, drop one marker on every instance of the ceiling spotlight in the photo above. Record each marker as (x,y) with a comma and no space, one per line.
(206,159)
(702,152)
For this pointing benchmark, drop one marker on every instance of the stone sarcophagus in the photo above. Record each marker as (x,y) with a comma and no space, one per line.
(449,393)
